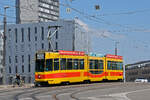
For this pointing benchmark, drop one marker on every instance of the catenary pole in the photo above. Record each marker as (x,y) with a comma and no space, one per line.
(4,45)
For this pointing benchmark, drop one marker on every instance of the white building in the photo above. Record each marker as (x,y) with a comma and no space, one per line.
(23,40)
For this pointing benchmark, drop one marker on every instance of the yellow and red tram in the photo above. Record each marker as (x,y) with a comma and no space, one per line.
(75,66)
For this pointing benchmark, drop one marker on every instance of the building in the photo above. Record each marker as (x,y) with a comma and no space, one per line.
(36,11)
(138,70)
(23,40)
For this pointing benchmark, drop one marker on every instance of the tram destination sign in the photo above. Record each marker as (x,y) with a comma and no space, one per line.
(40,56)
(114,56)
(75,53)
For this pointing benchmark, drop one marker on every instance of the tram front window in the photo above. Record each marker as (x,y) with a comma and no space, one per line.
(49,65)
(39,65)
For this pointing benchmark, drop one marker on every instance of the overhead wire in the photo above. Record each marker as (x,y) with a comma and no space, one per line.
(87,16)
(123,13)
(90,17)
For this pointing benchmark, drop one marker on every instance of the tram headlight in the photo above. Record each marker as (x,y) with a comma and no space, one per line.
(39,76)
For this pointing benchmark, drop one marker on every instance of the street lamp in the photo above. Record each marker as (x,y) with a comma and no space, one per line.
(4,44)
(116,49)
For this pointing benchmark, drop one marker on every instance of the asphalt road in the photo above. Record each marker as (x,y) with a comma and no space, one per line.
(94,91)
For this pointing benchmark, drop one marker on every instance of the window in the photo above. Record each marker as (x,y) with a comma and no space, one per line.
(109,65)
(39,67)
(35,38)
(42,33)
(29,59)
(101,64)
(96,64)
(35,46)
(9,69)
(56,64)
(22,68)
(63,64)
(29,34)
(114,65)
(22,58)
(56,46)
(69,64)
(81,61)
(119,65)
(9,59)
(29,68)
(16,59)
(56,34)
(49,46)
(16,69)
(16,34)
(22,31)
(91,64)
(49,65)
(75,64)
(42,45)
(35,29)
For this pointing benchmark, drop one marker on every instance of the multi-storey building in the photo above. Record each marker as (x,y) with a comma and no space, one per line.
(36,11)
(23,40)
(138,70)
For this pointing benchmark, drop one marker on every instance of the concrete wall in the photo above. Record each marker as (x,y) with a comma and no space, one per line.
(28,11)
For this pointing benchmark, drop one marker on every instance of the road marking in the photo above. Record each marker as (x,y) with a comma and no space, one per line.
(115,96)
(123,96)
(26,99)
(94,98)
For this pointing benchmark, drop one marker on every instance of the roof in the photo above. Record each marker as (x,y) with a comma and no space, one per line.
(140,62)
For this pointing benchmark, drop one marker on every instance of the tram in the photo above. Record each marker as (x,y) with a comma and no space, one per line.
(75,66)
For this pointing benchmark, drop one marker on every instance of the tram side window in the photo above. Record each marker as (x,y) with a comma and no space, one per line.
(75,64)
(91,64)
(101,64)
(121,66)
(109,65)
(81,61)
(56,64)
(63,64)
(69,64)
(118,65)
(49,65)
(114,66)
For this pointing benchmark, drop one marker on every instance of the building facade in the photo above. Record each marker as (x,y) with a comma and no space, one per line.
(36,11)
(23,40)
(138,70)
(1,55)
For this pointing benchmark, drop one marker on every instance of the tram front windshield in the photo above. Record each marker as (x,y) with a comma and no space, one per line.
(39,67)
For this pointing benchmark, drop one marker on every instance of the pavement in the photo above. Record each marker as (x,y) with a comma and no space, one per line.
(11,86)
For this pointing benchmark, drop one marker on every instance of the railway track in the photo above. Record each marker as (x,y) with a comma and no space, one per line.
(72,92)
(56,91)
